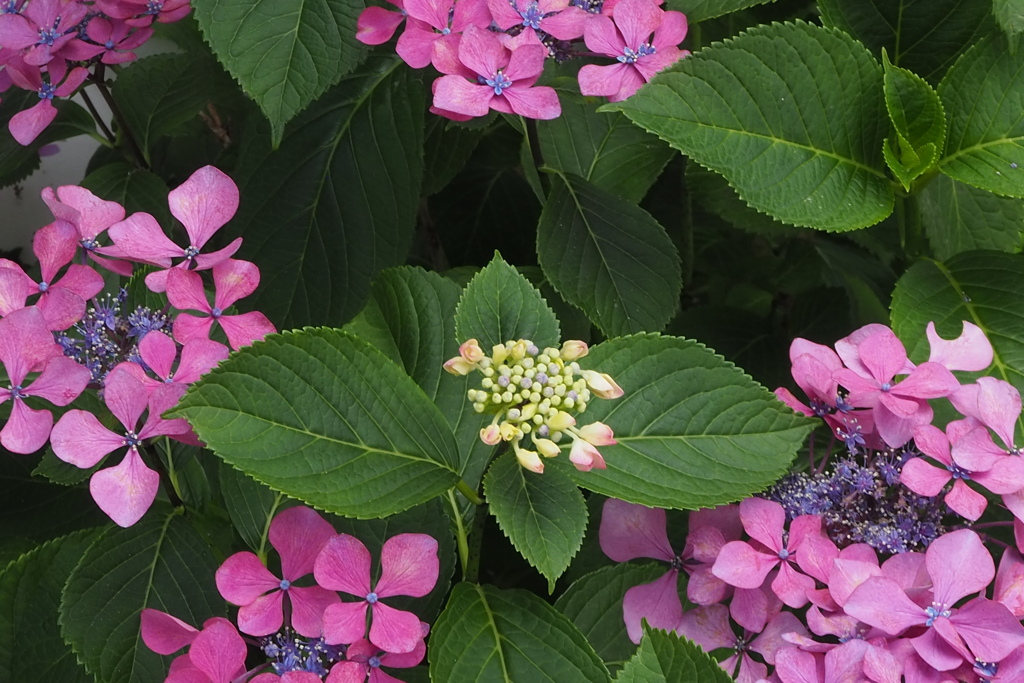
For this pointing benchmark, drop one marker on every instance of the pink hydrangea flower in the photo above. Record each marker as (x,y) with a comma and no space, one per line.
(627,36)
(43,29)
(435,24)
(143,12)
(203,204)
(216,653)
(486,75)
(26,346)
(994,403)
(26,125)
(409,566)
(157,352)
(364,659)
(233,280)
(554,17)
(91,216)
(111,38)
(298,534)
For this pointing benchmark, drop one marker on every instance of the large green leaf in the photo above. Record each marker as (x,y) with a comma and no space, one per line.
(411,318)
(135,189)
(31,647)
(324,417)
(544,515)
(251,506)
(337,202)
(924,36)
(699,10)
(791,114)
(982,287)
(594,604)
(958,217)
(500,305)
(285,53)
(692,429)
(1009,14)
(162,563)
(604,148)
(447,148)
(488,635)
(664,657)
(984,98)
(919,121)
(609,257)
(159,93)
(33,508)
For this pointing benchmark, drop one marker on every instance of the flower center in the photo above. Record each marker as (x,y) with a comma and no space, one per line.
(532,16)
(131,439)
(630,56)
(934,613)
(43,286)
(47,91)
(191,252)
(371,598)
(285,584)
(216,312)
(499,82)
(47,36)
(374,662)
(17,392)
(959,472)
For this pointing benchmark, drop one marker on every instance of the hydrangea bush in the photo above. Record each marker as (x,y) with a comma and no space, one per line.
(433,340)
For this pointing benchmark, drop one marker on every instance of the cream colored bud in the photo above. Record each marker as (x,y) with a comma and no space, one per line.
(585,457)
(499,353)
(490,435)
(509,431)
(458,366)
(529,410)
(530,460)
(597,433)
(602,385)
(560,421)
(471,351)
(546,447)
(573,349)
(518,351)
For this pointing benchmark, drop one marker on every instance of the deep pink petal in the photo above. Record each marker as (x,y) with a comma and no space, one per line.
(158,351)
(165,634)
(263,616)
(189,327)
(708,627)
(242,578)
(920,477)
(308,606)
(376,25)
(999,407)
(629,531)
(959,565)
(204,203)
(482,52)
(126,490)
(504,13)
(78,438)
(602,81)
(791,586)
(650,65)
(299,534)
(568,24)
(970,351)
(671,31)
(26,430)
(395,630)
(61,382)
(526,62)
(470,13)
(347,672)
(882,354)
(704,588)
(243,330)
(637,20)
(82,280)
(965,501)
(409,566)
(936,650)
(433,12)
(185,290)
(26,125)
(92,215)
(25,343)
(140,238)
(537,102)
(54,245)
(442,52)
(61,308)
(344,565)
(881,602)
(15,288)
(740,565)
(218,650)
(209,260)
(16,33)
(456,94)
(198,357)
(126,397)
(929,380)
(233,280)
(751,607)
(896,430)
(989,629)
(763,520)
(1009,584)
(847,574)
(658,602)
(630,83)
(345,622)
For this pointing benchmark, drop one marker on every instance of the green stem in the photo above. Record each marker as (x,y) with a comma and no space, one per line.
(460,538)
(469,493)
(908,214)
(477,534)
(133,145)
(99,119)
(262,552)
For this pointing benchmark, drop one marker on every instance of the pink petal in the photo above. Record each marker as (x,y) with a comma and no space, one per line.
(344,565)
(395,630)
(207,261)
(243,330)
(708,627)
(504,13)
(61,308)
(433,12)
(242,578)
(671,31)
(165,634)
(847,574)
(26,430)
(158,351)
(198,357)
(140,238)
(125,491)
(763,520)
(959,565)
(78,438)
(482,52)
(126,397)
(405,660)
(15,287)
(568,24)
(965,501)
(308,606)
(989,629)
(999,406)
(347,672)
(218,651)
(602,81)
(185,290)
(796,666)
(896,430)
(82,280)
(345,622)
(470,13)
(234,280)
(16,33)
(409,566)
(929,380)
(442,52)
(204,203)
(94,214)
(970,351)
(751,607)
(263,616)
(922,478)
(298,534)
(54,245)
(881,602)
(26,125)
(658,602)
(650,65)
(636,20)
(61,382)
(189,327)
(376,25)
(740,565)
(25,343)
(416,46)
(456,94)
(883,355)
(1009,585)
(629,531)
(526,62)
(791,586)
(537,102)
(936,649)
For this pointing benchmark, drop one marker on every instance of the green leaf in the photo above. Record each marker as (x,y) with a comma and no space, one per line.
(133,188)
(489,635)
(324,417)
(982,287)
(447,148)
(500,305)
(713,192)
(924,37)
(984,98)
(161,562)
(958,217)
(432,518)
(699,10)
(664,657)
(411,319)
(609,257)
(920,122)
(693,430)
(57,471)
(594,604)
(544,515)
(337,202)
(251,506)
(159,93)
(284,53)
(31,647)
(1009,14)
(791,114)
(604,148)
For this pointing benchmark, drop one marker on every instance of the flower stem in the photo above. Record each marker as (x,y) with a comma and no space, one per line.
(469,493)
(133,145)
(96,116)
(460,537)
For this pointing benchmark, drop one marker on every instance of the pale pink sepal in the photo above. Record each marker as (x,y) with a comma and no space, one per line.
(54,245)
(27,429)
(970,351)
(197,358)
(989,629)
(345,622)
(218,651)
(165,634)
(234,280)
(377,25)
(1009,583)
(188,327)
(140,238)
(242,578)
(26,125)
(78,438)
(25,343)
(629,531)
(298,534)
(658,602)
(344,565)
(409,566)
(959,565)
(80,207)
(742,566)
(61,381)
(880,602)
(847,574)
(61,308)
(204,203)
(82,280)
(126,490)
(185,290)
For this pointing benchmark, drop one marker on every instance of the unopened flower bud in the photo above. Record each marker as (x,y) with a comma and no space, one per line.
(530,460)
(585,457)
(546,447)
(602,385)
(573,349)
(509,431)
(561,420)
(597,433)
(490,435)
(518,351)
(529,410)
(499,353)
(471,351)
(458,366)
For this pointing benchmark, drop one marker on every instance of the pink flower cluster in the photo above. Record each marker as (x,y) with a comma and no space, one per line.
(48,46)
(307,632)
(48,331)
(491,52)
(877,570)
